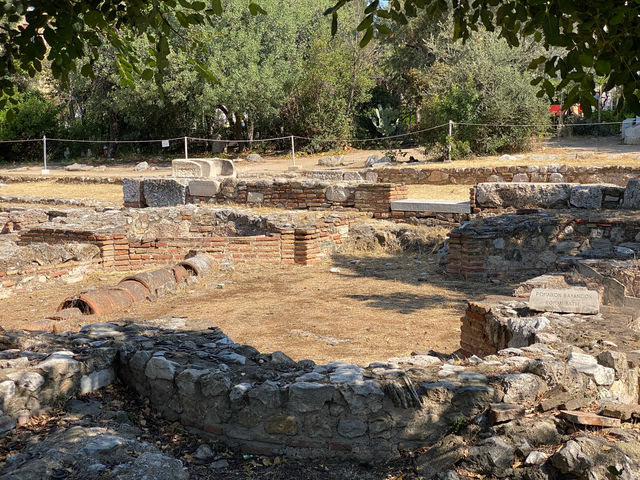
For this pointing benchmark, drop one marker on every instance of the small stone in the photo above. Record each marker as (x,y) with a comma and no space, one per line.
(141,167)
(160,368)
(587,418)
(238,391)
(281,425)
(504,412)
(536,458)
(219,464)
(104,444)
(334,270)
(203,453)
(31,381)
(621,411)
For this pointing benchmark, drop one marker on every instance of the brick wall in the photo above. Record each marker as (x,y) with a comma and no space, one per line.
(377,198)
(473,339)
(290,194)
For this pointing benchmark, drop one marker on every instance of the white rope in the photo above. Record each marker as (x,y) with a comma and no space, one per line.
(239,141)
(535,125)
(22,141)
(112,141)
(351,140)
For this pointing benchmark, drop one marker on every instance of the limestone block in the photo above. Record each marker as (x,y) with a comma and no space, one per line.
(97,380)
(523,195)
(556,177)
(204,188)
(352,177)
(520,177)
(586,196)
(160,367)
(520,387)
(631,198)
(186,169)
(31,381)
(132,190)
(60,364)
(308,396)
(255,197)
(164,192)
(331,160)
(338,193)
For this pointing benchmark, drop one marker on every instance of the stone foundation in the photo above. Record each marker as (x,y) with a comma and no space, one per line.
(281,193)
(515,246)
(138,239)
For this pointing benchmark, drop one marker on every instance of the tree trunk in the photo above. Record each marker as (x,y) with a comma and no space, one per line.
(113,134)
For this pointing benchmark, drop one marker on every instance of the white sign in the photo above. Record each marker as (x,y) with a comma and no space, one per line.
(568,300)
(165,143)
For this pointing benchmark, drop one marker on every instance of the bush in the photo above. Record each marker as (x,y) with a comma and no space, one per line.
(36,116)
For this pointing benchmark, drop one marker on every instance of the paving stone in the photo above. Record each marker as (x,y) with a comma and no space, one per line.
(587,418)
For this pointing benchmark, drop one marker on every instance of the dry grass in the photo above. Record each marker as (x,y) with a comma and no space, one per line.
(90,191)
(440,192)
(376,307)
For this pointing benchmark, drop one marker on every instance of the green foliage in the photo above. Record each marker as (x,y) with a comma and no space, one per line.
(481,82)
(68,36)
(385,120)
(582,40)
(336,79)
(36,116)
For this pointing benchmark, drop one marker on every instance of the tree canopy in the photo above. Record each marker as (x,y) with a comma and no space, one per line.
(64,34)
(583,40)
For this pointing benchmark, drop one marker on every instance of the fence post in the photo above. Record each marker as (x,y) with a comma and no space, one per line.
(450,140)
(293,151)
(45,170)
(186,153)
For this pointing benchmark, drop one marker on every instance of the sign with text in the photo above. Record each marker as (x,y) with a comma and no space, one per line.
(568,300)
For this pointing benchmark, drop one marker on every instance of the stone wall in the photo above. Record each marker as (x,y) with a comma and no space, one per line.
(613,174)
(515,246)
(268,404)
(497,196)
(279,192)
(77,241)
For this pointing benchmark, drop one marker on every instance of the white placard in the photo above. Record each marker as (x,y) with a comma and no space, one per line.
(165,143)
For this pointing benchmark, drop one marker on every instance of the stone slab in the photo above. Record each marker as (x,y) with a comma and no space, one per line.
(204,188)
(435,206)
(186,169)
(587,418)
(564,300)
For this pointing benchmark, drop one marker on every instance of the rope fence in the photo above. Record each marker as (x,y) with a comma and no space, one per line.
(288,142)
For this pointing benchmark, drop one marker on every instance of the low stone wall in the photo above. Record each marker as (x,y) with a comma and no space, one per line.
(268,404)
(77,241)
(279,192)
(512,246)
(613,174)
(499,196)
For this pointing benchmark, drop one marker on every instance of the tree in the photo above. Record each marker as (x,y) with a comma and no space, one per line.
(257,60)
(481,81)
(65,33)
(582,39)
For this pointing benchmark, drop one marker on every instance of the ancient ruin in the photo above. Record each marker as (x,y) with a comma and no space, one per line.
(544,384)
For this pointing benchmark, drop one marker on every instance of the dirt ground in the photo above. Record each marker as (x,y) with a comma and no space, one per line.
(375,308)
(594,151)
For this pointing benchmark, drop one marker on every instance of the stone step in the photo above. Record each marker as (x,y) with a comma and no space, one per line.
(435,206)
